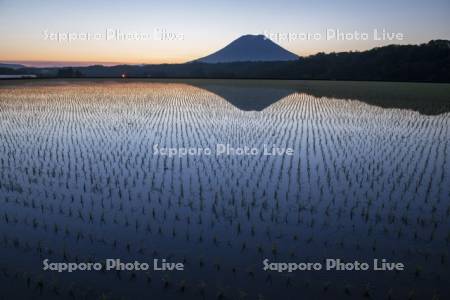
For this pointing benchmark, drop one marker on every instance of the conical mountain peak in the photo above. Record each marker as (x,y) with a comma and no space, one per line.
(250,48)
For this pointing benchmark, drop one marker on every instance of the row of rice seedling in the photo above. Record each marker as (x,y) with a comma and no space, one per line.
(79,182)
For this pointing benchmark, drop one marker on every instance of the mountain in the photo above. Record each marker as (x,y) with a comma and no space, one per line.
(428,62)
(249,48)
(11,66)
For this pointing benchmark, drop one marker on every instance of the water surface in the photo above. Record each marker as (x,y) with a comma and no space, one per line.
(369,178)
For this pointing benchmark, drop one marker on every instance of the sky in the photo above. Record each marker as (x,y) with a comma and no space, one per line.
(131,31)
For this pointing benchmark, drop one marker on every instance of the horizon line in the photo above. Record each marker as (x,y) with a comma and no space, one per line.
(86,63)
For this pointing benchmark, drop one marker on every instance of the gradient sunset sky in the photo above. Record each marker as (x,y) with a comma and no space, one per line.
(205,26)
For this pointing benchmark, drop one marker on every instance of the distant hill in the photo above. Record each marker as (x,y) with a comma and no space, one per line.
(429,62)
(249,48)
(11,66)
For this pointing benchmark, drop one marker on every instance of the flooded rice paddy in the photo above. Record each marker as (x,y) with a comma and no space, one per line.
(369,178)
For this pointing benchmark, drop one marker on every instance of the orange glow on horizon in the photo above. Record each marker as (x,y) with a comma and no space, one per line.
(92,61)
(65,60)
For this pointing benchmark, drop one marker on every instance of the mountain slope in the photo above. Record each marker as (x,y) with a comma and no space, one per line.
(428,62)
(249,48)
(11,66)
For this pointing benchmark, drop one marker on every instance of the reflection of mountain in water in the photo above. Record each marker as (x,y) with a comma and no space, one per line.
(425,98)
(246,96)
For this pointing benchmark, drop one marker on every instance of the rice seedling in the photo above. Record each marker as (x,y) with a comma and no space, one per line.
(78,180)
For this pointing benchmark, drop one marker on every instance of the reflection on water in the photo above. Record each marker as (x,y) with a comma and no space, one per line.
(425,98)
(246,96)
(79,181)
(430,99)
